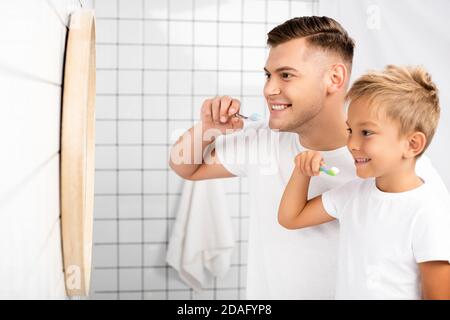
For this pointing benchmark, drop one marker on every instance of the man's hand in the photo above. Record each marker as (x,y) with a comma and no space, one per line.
(219,113)
(187,156)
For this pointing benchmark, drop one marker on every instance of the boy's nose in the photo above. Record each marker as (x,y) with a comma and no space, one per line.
(352,144)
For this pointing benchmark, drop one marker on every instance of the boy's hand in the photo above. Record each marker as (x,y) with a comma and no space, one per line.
(219,113)
(308,163)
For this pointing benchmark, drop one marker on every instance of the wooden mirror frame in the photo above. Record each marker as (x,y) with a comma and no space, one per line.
(78,152)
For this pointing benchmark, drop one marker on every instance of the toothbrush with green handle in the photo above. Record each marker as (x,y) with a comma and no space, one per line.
(333,171)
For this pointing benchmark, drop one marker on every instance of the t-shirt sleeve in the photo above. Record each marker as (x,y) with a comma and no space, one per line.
(431,235)
(232,150)
(425,170)
(335,199)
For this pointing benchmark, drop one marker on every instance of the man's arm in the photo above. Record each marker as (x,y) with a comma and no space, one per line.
(435,277)
(187,156)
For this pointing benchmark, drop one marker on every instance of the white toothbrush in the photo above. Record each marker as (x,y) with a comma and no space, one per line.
(252,117)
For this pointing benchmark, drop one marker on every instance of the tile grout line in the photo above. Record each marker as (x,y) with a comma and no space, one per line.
(191,292)
(189,20)
(142,156)
(117,150)
(167,135)
(241,89)
(217,93)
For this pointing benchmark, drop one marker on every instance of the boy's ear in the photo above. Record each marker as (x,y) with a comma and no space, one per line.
(337,76)
(416,143)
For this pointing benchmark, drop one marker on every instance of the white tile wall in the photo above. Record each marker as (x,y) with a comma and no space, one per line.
(156,9)
(130,207)
(106,56)
(180,107)
(131,56)
(205,33)
(160,61)
(230,33)
(156,57)
(105,107)
(205,83)
(31,68)
(106,8)
(155,255)
(130,255)
(105,207)
(156,206)
(278,10)
(155,82)
(106,31)
(230,10)
(254,59)
(230,58)
(254,10)
(130,9)
(180,82)
(104,256)
(130,157)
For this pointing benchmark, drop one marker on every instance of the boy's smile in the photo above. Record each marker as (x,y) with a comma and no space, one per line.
(361,161)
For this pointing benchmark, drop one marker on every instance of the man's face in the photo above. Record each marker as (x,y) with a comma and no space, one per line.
(374,141)
(294,89)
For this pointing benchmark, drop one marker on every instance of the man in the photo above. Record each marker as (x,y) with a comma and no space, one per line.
(307,71)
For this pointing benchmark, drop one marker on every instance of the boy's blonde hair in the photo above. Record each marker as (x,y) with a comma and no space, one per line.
(406,95)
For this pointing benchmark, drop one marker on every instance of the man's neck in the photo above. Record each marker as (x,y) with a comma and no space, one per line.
(327,131)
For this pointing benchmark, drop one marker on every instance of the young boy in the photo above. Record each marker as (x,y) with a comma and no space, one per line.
(394,232)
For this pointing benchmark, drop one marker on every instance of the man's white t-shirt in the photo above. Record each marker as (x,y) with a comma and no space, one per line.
(383,236)
(282,263)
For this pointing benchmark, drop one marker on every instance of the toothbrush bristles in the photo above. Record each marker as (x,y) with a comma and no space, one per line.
(253,116)
(333,171)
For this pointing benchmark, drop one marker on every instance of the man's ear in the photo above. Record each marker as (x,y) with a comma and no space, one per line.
(416,143)
(337,77)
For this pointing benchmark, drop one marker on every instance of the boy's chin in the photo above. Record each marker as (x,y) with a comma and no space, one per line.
(364,175)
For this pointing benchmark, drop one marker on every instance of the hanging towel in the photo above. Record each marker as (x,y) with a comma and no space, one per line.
(202,240)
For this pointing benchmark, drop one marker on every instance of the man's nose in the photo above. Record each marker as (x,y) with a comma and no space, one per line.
(271,88)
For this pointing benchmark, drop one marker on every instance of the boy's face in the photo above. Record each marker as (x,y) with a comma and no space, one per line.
(374,141)
(294,88)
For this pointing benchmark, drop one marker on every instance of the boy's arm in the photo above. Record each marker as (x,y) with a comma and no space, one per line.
(435,277)
(295,210)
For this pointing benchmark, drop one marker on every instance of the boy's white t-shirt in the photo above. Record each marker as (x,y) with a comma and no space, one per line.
(383,236)
(282,263)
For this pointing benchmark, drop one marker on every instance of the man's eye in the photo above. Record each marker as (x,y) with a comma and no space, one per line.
(366,133)
(267,75)
(349,130)
(285,75)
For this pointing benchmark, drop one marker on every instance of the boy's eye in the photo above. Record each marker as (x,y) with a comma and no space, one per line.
(349,130)
(366,132)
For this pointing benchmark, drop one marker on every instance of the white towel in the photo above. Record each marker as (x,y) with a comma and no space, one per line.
(202,240)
